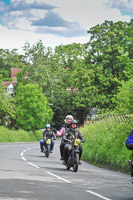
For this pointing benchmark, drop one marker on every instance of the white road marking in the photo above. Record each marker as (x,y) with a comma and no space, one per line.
(65,180)
(98,195)
(59,177)
(33,165)
(22,157)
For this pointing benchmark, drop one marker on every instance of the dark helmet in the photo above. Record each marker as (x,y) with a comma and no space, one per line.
(73,121)
(48,126)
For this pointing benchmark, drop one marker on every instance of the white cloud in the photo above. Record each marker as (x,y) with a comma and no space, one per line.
(23,24)
(88,13)
(38,14)
(16,13)
(123,5)
(30,1)
(15,39)
(68,17)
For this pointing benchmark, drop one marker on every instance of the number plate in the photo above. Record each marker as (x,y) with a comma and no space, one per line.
(48,141)
(69,147)
(77,142)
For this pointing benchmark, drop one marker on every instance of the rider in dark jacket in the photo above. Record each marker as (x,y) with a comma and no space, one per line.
(73,132)
(50,134)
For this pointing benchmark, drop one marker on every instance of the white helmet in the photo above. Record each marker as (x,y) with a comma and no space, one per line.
(69,117)
(48,126)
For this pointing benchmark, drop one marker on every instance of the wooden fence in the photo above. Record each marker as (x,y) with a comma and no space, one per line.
(117,117)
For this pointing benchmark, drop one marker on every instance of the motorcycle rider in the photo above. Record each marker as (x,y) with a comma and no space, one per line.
(129,141)
(129,145)
(67,138)
(63,129)
(48,132)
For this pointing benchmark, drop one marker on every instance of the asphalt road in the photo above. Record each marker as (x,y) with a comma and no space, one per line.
(25,174)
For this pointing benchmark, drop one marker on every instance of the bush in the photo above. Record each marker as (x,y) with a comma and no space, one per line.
(7,135)
(105,144)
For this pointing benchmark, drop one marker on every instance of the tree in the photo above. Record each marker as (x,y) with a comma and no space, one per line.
(124,98)
(104,59)
(7,107)
(54,72)
(33,111)
(96,69)
(70,72)
(39,66)
(8,60)
(127,62)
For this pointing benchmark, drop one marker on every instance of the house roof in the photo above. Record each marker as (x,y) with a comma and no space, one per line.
(7,83)
(14,71)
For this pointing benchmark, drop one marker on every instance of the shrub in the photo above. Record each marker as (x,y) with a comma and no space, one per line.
(7,135)
(105,143)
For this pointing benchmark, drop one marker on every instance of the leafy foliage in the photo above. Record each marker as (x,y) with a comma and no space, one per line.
(33,111)
(7,107)
(106,60)
(124,98)
(97,69)
(8,60)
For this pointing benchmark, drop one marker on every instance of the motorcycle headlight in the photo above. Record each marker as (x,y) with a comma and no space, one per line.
(69,147)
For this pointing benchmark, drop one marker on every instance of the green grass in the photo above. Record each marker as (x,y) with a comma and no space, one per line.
(105,144)
(7,135)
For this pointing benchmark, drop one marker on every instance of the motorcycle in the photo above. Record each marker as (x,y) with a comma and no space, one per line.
(47,147)
(73,155)
(130,163)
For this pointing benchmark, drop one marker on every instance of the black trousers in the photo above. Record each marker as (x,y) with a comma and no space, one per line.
(61,148)
(129,146)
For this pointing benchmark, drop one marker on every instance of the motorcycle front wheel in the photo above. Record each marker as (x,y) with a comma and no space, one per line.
(132,170)
(47,150)
(76,163)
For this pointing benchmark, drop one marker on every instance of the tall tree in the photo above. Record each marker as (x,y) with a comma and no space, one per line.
(69,63)
(54,72)
(103,59)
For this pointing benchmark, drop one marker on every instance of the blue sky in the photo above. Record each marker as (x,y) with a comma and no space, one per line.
(7,2)
(127,13)
(56,22)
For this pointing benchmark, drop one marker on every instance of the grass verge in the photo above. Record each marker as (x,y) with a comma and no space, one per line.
(105,144)
(7,135)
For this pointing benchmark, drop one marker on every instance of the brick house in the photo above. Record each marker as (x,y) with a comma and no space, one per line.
(14,72)
(9,85)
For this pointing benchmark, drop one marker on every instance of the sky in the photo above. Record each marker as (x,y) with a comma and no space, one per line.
(56,22)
